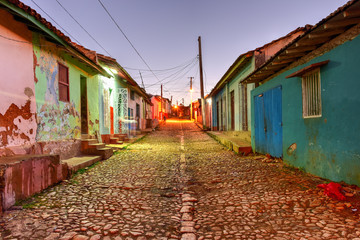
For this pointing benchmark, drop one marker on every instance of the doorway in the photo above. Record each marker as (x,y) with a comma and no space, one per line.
(84,107)
(268,122)
(232,109)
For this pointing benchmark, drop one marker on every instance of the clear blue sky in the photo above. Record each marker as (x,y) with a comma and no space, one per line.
(165,33)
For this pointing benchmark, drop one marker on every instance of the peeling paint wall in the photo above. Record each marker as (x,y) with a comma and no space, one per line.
(22,178)
(57,120)
(17,106)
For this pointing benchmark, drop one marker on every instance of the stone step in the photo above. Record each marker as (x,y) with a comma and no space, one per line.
(96,145)
(114,140)
(121,137)
(77,163)
(86,142)
(87,136)
(104,152)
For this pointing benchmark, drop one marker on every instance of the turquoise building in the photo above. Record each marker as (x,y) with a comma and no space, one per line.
(306,107)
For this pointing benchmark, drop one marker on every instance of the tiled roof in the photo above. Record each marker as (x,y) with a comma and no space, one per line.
(328,28)
(90,54)
(84,51)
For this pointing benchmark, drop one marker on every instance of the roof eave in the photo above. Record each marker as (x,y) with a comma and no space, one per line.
(54,36)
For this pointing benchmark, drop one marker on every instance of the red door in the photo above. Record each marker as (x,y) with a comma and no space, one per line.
(111,120)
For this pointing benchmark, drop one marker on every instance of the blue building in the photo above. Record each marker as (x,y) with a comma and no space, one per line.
(306,106)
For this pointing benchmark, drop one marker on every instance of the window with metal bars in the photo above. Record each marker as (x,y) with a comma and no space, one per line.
(64,83)
(311,94)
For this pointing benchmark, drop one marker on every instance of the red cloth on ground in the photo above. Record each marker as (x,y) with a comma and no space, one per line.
(333,190)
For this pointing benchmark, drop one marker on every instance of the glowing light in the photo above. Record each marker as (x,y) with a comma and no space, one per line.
(177,121)
(209,100)
(191,90)
(175,106)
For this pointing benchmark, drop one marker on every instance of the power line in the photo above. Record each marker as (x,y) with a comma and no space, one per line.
(176,74)
(55,22)
(83,28)
(162,70)
(128,39)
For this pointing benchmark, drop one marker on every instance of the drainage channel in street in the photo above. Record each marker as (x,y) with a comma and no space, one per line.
(187,229)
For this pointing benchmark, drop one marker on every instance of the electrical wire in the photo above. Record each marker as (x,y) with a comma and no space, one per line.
(176,75)
(132,45)
(55,22)
(190,60)
(83,28)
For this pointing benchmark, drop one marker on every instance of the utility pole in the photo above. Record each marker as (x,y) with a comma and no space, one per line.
(161,100)
(191,91)
(201,85)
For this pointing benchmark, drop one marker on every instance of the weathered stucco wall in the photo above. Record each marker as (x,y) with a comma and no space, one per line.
(17,106)
(327,146)
(22,177)
(57,121)
(107,99)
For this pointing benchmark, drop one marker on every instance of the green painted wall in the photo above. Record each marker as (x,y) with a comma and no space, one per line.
(59,120)
(327,146)
(233,85)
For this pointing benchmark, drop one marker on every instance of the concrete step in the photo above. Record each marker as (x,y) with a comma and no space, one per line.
(87,136)
(80,162)
(121,137)
(114,140)
(116,147)
(96,145)
(86,142)
(104,152)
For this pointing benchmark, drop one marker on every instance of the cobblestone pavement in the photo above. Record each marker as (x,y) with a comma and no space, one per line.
(178,183)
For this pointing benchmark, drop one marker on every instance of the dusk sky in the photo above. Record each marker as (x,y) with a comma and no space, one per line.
(165,33)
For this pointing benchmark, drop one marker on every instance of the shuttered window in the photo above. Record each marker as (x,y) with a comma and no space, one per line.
(311,93)
(64,83)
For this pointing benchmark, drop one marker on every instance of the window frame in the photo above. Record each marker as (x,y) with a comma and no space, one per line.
(66,84)
(306,97)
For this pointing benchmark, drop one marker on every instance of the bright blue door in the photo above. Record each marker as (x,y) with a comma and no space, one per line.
(268,122)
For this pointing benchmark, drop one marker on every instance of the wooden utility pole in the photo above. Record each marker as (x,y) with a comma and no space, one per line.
(201,85)
(161,100)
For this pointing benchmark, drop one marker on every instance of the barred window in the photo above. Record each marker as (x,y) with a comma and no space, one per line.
(64,83)
(311,93)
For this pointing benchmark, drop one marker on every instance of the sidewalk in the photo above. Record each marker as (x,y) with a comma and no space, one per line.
(230,140)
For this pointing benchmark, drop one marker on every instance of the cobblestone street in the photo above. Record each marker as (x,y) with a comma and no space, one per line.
(179,183)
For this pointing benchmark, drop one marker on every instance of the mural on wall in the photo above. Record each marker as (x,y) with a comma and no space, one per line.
(56,119)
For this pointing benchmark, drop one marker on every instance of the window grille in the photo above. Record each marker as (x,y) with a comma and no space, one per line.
(311,92)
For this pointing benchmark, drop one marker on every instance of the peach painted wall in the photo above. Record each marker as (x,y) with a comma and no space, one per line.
(17,95)
(273,48)
(26,175)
